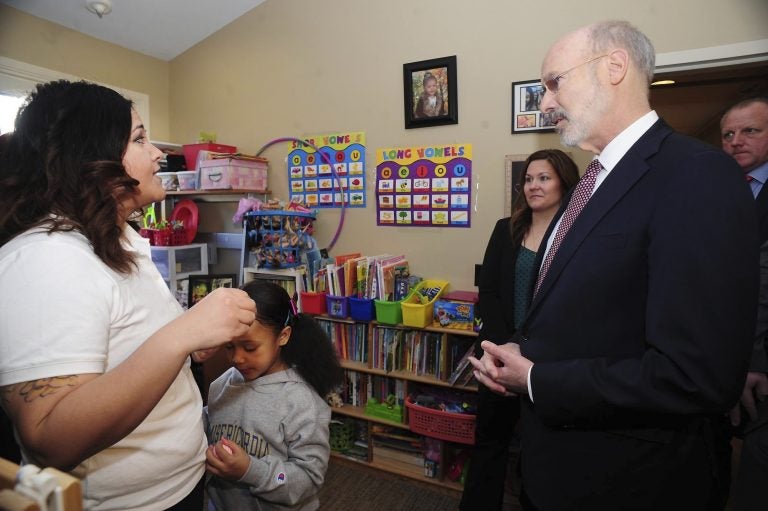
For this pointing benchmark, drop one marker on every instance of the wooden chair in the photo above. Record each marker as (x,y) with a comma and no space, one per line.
(67,494)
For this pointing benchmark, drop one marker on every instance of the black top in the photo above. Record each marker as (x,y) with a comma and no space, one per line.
(498,281)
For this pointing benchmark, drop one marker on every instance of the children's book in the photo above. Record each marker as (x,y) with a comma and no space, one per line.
(386,278)
(390,274)
(402,275)
(341,259)
(361,275)
(463,366)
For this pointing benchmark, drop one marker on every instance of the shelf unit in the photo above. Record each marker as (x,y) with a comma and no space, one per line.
(358,357)
(176,263)
(214,240)
(291,279)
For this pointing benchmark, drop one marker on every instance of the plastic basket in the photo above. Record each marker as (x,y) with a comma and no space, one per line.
(162,237)
(278,238)
(341,434)
(388,312)
(361,309)
(420,314)
(453,427)
(336,306)
(179,237)
(312,303)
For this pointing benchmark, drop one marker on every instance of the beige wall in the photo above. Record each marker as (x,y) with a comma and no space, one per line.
(303,67)
(41,43)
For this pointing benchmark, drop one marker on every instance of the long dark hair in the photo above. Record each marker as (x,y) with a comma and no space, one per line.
(522,215)
(308,350)
(62,167)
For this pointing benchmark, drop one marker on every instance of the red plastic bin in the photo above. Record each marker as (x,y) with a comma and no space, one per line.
(453,427)
(312,303)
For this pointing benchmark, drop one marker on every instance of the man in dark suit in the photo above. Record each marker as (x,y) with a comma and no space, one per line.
(641,326)
(744,130)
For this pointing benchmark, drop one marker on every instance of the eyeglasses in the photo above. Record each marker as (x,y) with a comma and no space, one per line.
(553,84)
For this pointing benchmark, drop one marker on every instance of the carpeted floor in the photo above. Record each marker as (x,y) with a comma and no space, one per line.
(353,487)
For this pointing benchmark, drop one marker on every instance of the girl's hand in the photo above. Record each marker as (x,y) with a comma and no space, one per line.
(227,460)
(223,315)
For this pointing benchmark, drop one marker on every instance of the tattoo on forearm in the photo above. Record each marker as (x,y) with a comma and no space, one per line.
(31,390)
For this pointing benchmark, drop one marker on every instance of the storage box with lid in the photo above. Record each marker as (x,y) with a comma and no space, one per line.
(233,174)
(191,150)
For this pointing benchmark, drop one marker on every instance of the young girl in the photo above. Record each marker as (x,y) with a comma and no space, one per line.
(267,419)
(430,103)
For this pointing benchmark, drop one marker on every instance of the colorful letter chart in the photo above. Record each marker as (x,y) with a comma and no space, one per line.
(318,182)
(424,186)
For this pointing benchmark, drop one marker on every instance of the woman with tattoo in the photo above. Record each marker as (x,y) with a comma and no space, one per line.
(94,350)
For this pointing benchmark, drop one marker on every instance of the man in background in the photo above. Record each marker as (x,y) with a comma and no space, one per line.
(640,329)
(744,130)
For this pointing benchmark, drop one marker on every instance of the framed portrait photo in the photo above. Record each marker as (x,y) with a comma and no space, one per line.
(526,101)
(429,93)
(201,285)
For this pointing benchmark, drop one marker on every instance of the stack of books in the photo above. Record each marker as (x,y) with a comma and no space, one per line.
(397,448)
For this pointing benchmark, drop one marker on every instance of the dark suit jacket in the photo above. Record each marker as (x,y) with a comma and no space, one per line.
(759,361)
(761,201)
(642,327)
(497,285)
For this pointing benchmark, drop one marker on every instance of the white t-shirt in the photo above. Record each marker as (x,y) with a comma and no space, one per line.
(62,312)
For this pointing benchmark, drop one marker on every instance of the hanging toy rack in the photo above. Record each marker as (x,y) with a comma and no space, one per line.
(277,237)
(326,160)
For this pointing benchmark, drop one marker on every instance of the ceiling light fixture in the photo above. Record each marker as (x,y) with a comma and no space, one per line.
(663,82)
(99,7)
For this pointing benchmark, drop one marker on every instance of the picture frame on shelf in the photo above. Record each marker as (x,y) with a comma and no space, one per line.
(182,292)
(526,114)
(430,93)
(201,285)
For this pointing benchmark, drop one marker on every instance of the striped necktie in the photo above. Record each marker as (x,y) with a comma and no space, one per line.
(579,199)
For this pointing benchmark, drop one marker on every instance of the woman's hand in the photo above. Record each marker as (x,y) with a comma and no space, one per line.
(223,315)
(227,460)
(201,356)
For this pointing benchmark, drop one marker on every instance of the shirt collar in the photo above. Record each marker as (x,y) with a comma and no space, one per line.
(760,174)
(618,147)
(133,242)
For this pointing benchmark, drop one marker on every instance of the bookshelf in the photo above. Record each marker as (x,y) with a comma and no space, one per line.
(293,280)
(381,359)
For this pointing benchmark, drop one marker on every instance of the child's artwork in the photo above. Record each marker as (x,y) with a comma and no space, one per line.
(311,179)
(424,186)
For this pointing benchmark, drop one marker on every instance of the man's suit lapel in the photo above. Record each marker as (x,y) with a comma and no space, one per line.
(761,201)
(624,175)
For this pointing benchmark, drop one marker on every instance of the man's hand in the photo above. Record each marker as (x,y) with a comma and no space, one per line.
(755,389)
(502,368)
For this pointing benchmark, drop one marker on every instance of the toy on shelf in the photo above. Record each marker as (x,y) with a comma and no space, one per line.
(457,470)
(278,237)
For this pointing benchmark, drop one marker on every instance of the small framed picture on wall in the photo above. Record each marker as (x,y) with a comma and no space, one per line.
(526,114)
(201,285)
(429,93)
